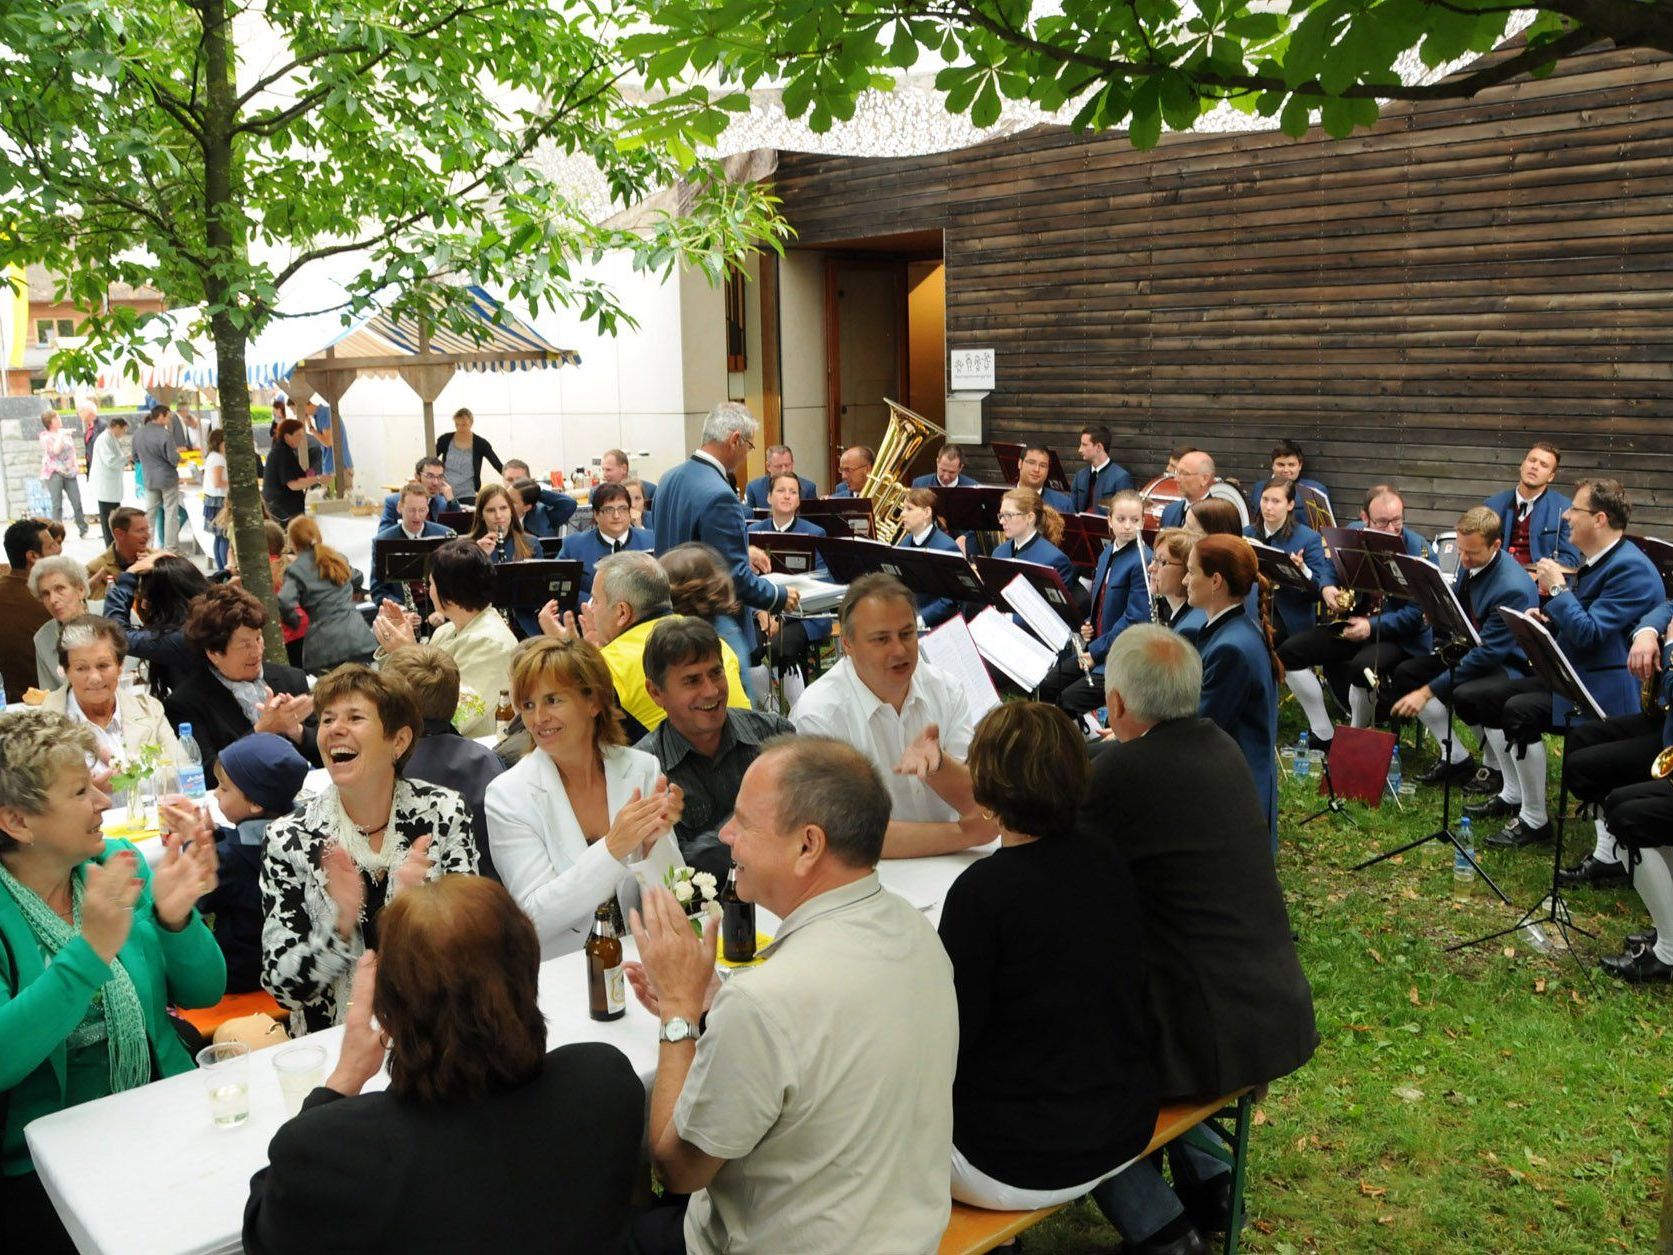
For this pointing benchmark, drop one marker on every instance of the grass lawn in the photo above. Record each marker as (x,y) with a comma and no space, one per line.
(1488,1100)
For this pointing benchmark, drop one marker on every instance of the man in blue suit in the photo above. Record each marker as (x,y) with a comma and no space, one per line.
(853,467)
(1487,578)
(698,503)
(412,523)
(1033,469)
(949,471)
(1592,615)
(613,468)
(432,474)
(1533,515)
(781,460)
(614,533)
(1287,463)
(542,511)
(1101,478)
(1195,475)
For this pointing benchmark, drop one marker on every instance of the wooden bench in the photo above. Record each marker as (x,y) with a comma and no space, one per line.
(973,1229)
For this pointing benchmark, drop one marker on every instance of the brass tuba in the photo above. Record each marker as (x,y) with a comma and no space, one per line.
(1662,766)
(885,486)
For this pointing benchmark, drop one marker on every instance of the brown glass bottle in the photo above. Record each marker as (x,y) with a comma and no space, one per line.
(737,923)
(606,984)
(503,713)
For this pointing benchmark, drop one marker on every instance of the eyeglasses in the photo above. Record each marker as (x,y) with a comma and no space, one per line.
(1010,514)
(1165,562)
(614,509)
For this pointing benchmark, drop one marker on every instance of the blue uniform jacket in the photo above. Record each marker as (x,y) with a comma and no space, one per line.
(1401,622)
(547,516)
(817,629)
(930,481)
(934,610)
(393,592)
(698,504)
(1295,610)
(1593,619)
(1111,480)
(392,509)
(1188,624)
(755,492)
(1041,551)
(589,548)
(1303,482)
(1502,582)
(842,490)
(1239,694)
(1120,582)
(1547,528)
(1060,501)
(1173,514)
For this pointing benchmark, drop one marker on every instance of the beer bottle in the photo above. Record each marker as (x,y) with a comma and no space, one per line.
(503,713)
(737,923)
(606,985)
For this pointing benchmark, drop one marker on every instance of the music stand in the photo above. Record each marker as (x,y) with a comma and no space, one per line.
(1425,585)
(1551,665)
(1315,507)
(969,509)
(1083,540)
(927,572)
(840,516)
(997,572)
(1009,457)
(407,563)
(459,520)
(1275,564)
(1659,552)
(528,585)
(549,545)
(792,553)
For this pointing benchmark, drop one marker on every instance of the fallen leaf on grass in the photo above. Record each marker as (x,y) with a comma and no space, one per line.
(1413,997)
(1539,986)
(1260,1117)
(1373,954)
(1265,1226)
(1510,952)
(1385,1219)
(1409,1092)
(1371,1191)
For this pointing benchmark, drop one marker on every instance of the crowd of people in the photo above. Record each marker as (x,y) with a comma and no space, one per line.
(837,1096)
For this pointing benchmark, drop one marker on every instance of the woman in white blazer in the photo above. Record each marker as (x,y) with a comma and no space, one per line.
(90,651)
(581,818)
(474,635)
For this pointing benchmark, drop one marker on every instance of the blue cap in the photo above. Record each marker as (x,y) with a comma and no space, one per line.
(267,770)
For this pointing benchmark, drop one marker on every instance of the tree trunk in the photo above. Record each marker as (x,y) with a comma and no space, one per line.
(228,244)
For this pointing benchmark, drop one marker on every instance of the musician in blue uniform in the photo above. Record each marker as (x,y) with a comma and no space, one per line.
(1195,476)
(412,523)
(948,472)
(1487,578)
(1101,478)
(1293,611)
(919,529)
(788,642)
(1287,466)
(1032,530)
(1377,641)
(1239,668)
(781,460)
(613,533)
(543,511)
(1533,516)
(432,474)
(1167,583)
(853,468)
(1120,598)
(1592,614)
(1033,470)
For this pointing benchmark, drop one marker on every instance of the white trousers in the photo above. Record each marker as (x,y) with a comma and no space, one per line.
(975,1188)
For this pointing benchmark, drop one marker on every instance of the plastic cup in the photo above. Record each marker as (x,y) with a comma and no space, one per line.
(300,1069)
(225,1069)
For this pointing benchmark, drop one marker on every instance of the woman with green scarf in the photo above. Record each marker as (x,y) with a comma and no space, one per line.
(93,947)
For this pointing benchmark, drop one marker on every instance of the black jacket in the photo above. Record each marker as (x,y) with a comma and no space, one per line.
(1230,1006)
(444,757)
(548,1166)
(216,718)
(481,451)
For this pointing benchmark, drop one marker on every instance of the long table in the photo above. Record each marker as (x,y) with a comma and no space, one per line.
(145,1172)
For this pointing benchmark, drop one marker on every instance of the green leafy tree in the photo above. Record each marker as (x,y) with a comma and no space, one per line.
(1141,64)
(212,149)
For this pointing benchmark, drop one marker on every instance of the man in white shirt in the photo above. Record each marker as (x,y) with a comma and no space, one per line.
(806,1105)
(911,720)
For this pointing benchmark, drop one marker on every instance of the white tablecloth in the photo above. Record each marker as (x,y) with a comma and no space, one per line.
(145,1172)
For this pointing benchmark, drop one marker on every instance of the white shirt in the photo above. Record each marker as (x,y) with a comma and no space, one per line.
(110,736)
(713,461)
(1220,614)
(839,705)
(922,534)
(1601,554)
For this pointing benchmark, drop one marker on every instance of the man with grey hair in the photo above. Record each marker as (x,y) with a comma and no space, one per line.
(698,501)
(806,1104)
(630,594)
(1195,477)
(781,460)
(1228,1003)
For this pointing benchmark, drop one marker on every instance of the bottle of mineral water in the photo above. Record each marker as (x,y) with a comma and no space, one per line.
(191,764)
(1394,772)
(1463,872)
(1303,764)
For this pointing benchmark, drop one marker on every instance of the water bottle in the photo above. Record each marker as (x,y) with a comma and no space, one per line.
(1394,772)
(1303,764)
(191,764)
(2,692)
(1463,871)
(1534,935)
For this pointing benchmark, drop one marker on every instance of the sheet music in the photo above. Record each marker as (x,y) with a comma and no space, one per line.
(1012,650)
(952,649)
(818,596)
(1555,653)
(1042,620)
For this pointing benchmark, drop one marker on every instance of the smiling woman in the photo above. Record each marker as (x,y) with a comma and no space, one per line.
(566,822)
(124,720)
(329,869)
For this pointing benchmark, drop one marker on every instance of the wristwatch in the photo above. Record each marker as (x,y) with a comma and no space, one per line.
(678,1029)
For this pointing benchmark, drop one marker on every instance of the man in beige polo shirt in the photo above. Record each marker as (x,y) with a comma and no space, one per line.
(813,1109)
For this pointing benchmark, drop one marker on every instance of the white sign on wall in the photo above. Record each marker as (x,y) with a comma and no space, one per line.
(971,370)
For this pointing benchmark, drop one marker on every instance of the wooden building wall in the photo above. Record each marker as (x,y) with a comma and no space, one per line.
(1418,301)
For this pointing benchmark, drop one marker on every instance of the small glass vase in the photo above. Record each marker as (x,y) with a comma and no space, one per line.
(141,800)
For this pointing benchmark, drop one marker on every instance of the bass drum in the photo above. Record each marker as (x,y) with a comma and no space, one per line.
(1162,491)
(1229,492)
